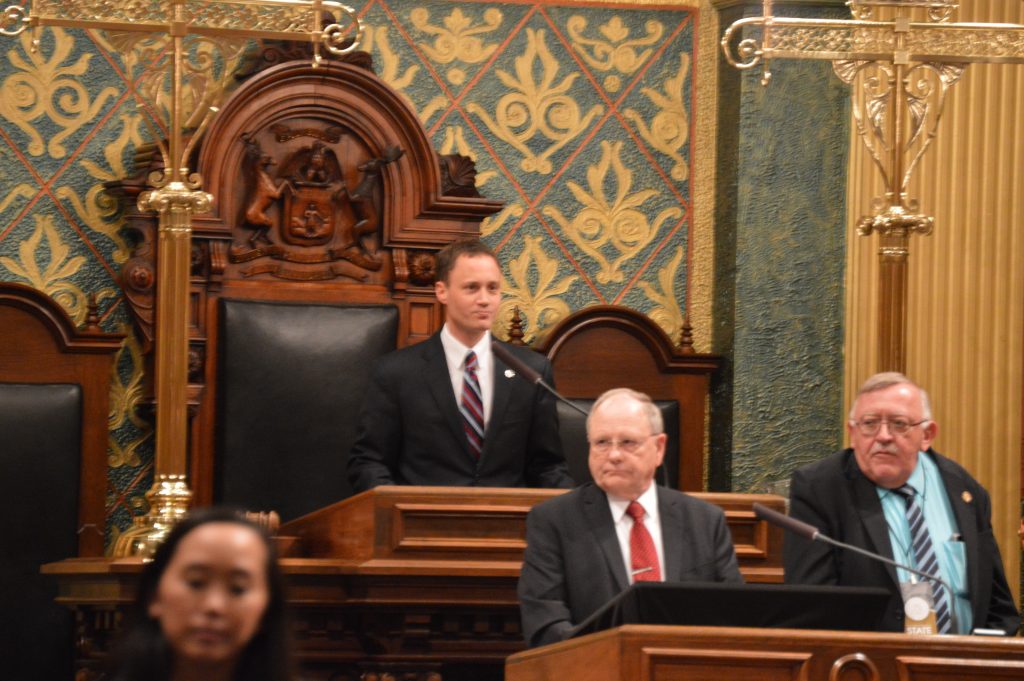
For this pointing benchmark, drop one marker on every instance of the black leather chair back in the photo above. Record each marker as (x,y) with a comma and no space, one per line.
(40,434)
(572,427)
(290,383)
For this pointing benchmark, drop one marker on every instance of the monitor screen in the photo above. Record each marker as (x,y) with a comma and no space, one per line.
(792,606)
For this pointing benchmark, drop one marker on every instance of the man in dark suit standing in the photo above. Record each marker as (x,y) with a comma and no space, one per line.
(447,411)
(585,547)
(893,495)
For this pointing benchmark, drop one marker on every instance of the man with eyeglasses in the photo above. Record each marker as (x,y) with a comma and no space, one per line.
(892,494)
(585,547)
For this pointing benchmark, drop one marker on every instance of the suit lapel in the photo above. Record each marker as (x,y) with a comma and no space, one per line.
(439,384)
(499,402)
(966,512)
(599,519)
(869,507)
(671,526)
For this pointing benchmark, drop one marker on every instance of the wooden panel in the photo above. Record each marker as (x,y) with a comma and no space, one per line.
(671,664)
(461,528)
(414,525)
(661,653)
(920,668)
(411,580)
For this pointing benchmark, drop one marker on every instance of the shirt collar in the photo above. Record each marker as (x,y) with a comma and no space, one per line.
(918,479)
(649,500)
(455,351)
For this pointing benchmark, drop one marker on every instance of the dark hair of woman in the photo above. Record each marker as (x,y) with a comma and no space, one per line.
(144,653)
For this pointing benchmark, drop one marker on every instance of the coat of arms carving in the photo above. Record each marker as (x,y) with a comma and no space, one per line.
(301,219)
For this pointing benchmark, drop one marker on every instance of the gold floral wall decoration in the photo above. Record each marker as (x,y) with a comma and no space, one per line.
(619,222)
(42,85)
(46,262)
(533,286)
(669,129)
(458,39)
(617,51)
(98,210)
(500,221)
(388,64)
(667,311)
(20,191)
(126,395)
(537,106)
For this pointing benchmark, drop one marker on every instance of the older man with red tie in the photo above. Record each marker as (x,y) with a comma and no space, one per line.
(585,547)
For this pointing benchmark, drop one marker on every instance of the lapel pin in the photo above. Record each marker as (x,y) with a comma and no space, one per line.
(509,373)
(966,496)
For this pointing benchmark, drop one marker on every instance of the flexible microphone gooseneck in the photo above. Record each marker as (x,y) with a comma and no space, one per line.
(530,374)
(811,533)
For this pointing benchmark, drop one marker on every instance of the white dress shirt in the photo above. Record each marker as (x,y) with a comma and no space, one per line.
(455,355)
(624,525)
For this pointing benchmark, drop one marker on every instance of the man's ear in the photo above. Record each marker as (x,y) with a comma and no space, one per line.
(154,610)
(659,441)
(930,431)
(441,292)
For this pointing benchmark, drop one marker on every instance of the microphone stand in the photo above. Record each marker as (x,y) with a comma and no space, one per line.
(808,531)
(531,374)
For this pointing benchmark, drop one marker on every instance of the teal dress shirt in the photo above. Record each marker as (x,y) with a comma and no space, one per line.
(942,526)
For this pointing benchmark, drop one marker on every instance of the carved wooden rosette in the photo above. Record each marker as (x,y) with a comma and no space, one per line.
(327,189)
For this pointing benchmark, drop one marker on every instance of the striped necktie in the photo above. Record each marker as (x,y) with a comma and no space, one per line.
(472,406)
(924,555)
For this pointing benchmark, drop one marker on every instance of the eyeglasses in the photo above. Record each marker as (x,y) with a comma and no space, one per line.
(872,424)
(628,445)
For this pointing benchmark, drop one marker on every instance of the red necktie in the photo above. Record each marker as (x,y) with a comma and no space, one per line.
(643,557)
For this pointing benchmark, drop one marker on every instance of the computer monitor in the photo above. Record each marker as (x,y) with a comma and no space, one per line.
(792,606)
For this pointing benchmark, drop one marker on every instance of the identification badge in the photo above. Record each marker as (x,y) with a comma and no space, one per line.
(918,608)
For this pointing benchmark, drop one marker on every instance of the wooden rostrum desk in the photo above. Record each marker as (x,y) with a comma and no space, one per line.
(411,583)
(637,652)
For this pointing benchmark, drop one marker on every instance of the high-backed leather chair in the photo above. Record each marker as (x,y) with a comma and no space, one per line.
(292,378)
(54,392)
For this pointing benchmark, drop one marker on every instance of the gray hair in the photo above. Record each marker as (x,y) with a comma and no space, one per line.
(649,408)
(887,379)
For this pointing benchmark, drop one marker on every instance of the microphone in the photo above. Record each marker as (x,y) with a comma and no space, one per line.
(529,373)
(810,532)
(782,520)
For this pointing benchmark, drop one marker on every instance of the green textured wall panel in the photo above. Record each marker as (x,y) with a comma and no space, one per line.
(780,250)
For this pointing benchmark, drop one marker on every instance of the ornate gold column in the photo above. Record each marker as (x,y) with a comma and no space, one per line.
(901,68)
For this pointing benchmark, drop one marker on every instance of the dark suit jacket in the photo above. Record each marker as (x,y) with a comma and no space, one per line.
(835,497)
(410,430)
(573,564)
